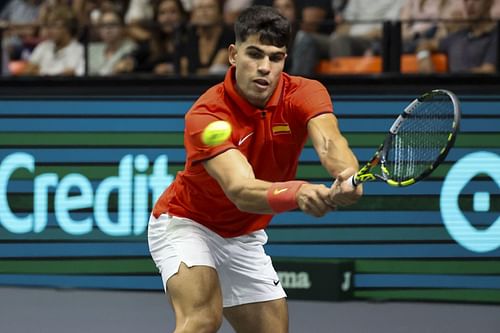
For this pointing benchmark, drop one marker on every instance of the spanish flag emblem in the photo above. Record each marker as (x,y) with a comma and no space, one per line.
(281,129)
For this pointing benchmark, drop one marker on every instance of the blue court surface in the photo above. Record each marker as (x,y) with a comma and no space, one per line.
(25,310)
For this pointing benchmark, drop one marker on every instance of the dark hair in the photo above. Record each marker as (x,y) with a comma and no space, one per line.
(159,39)
(178,3)
(117,13)
(65,14)
(272,27)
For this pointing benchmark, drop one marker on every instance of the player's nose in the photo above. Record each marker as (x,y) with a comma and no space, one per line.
(264,65)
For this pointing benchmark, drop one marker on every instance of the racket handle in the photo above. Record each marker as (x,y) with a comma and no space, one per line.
(352,181)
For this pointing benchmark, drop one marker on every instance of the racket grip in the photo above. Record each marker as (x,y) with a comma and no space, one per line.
(352,181)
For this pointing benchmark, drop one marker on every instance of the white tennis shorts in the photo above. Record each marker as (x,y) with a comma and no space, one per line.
(245,272)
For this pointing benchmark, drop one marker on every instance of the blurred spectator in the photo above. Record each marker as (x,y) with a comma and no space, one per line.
(19,18)
(339,5)
(359,30)
(138,16)
(287,8)
(113,44)
(88,12)
(426,19)
(205,51)
(46,8)
(232,8)
(139,11)
(316,17)
(20,12)
(472,49)
(311,42)
(60,54)
(188,5)
(160,55)
(495,10)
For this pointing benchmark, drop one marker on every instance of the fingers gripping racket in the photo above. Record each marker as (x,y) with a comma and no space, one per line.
(417,142)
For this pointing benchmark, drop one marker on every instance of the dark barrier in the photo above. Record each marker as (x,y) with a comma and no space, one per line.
(309,280)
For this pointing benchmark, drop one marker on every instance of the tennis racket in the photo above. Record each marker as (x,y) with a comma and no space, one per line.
(417,142)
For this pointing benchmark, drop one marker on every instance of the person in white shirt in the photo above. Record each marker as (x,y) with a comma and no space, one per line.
(113,46)
(61,53)
(360,28)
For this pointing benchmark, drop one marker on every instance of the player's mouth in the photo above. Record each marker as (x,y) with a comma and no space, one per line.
(262,84)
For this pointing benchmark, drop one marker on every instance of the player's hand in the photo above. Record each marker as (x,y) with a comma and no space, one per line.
(313,199)
(342,192)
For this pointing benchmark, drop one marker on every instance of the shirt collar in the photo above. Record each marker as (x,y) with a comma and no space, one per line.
(242,103)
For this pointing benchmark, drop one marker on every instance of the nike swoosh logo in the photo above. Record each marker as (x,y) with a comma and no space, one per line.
(276,282)
(244,138)
(281,190)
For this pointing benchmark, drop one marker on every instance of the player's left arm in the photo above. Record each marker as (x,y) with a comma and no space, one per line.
(237,179)
(335,156)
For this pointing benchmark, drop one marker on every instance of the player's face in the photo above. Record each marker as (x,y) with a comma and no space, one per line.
(258,69)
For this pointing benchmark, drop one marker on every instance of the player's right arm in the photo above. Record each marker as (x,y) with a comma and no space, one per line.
(237,179)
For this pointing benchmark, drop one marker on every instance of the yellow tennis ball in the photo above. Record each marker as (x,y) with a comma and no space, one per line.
(216,133)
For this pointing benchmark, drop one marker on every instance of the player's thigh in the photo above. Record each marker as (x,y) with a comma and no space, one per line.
(262,317)
(195,291)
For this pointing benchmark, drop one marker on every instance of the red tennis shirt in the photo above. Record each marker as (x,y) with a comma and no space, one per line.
(271,139)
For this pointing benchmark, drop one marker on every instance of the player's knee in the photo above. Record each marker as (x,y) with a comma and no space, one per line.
(210,324)
(203,321)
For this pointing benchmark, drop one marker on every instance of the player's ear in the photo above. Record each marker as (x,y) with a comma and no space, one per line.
(233,52)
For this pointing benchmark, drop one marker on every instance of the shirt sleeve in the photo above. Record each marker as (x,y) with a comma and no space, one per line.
(196,150)
(311,99)
(74,58)
(79,60)
(37,54)
(138,10)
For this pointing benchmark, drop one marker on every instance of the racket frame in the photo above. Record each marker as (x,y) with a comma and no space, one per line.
(365,174)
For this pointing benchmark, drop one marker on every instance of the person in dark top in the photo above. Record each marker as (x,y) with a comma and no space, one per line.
(472,49)
(160,55)
(205,51)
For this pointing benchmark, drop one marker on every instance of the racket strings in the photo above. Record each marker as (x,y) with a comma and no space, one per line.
(421,138)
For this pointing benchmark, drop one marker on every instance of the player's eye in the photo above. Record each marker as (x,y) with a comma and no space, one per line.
(254,54)
(276,57)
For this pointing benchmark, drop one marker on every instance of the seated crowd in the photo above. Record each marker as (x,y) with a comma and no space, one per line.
(190,37)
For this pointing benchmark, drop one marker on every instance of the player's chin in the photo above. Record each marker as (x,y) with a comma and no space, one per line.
(258,98)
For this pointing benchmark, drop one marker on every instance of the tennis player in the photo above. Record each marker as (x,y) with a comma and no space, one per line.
(206,233)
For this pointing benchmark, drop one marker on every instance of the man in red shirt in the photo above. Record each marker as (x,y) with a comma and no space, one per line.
(206,231)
